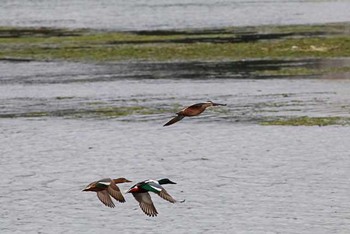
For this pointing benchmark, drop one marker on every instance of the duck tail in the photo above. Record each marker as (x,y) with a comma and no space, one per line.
(174,120)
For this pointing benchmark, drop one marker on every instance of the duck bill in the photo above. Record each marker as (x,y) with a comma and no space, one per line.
(219,104)
(171,182)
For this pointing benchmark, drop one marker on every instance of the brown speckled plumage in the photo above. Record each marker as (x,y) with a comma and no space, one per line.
(106,188)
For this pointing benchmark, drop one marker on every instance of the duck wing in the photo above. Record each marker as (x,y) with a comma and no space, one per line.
(105,198)
(114,191)
(174,120)
(146,203)
(166,196)
(153,186)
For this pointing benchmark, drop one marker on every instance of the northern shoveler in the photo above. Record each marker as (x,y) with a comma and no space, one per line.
(140,192)
(193,110)
(106,188)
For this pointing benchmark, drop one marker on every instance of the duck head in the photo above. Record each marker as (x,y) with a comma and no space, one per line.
(210,103)
(121,180)
(90,187)
(165,181)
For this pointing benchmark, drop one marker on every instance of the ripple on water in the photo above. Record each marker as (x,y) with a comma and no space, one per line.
(136,15)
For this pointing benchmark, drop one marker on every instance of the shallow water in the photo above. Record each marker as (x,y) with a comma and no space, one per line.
(159,14)
(236,175)
(235,178)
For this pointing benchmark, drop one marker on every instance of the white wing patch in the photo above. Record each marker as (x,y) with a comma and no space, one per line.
(152,181)
(156,188)
(105,183)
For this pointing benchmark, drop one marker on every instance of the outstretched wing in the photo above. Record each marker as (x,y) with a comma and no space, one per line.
(105,198)
(166,196)
(174,120)
(146,203)
(114,191)
(153,186)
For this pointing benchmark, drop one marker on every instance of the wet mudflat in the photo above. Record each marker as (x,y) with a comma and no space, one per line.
(64,125)
(223,44)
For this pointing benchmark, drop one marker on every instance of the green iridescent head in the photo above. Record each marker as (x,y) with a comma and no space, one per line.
(165,181)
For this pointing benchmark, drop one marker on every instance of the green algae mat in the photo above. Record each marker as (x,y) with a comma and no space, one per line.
(236,43)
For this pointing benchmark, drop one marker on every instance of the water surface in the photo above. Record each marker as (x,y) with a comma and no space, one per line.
(178,14)
(236,175)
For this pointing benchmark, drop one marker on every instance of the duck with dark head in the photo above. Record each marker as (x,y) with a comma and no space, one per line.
(140,193)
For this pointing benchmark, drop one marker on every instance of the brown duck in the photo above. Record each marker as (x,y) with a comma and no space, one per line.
(193,110)
(106,188)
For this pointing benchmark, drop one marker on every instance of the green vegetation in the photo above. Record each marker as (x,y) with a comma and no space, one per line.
(309,121)
(317,41)
(110,112)
(98,112)
(301,71)
(114,112)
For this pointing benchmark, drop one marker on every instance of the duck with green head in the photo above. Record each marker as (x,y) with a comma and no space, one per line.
(191,111)
(107,187)
(140,192)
